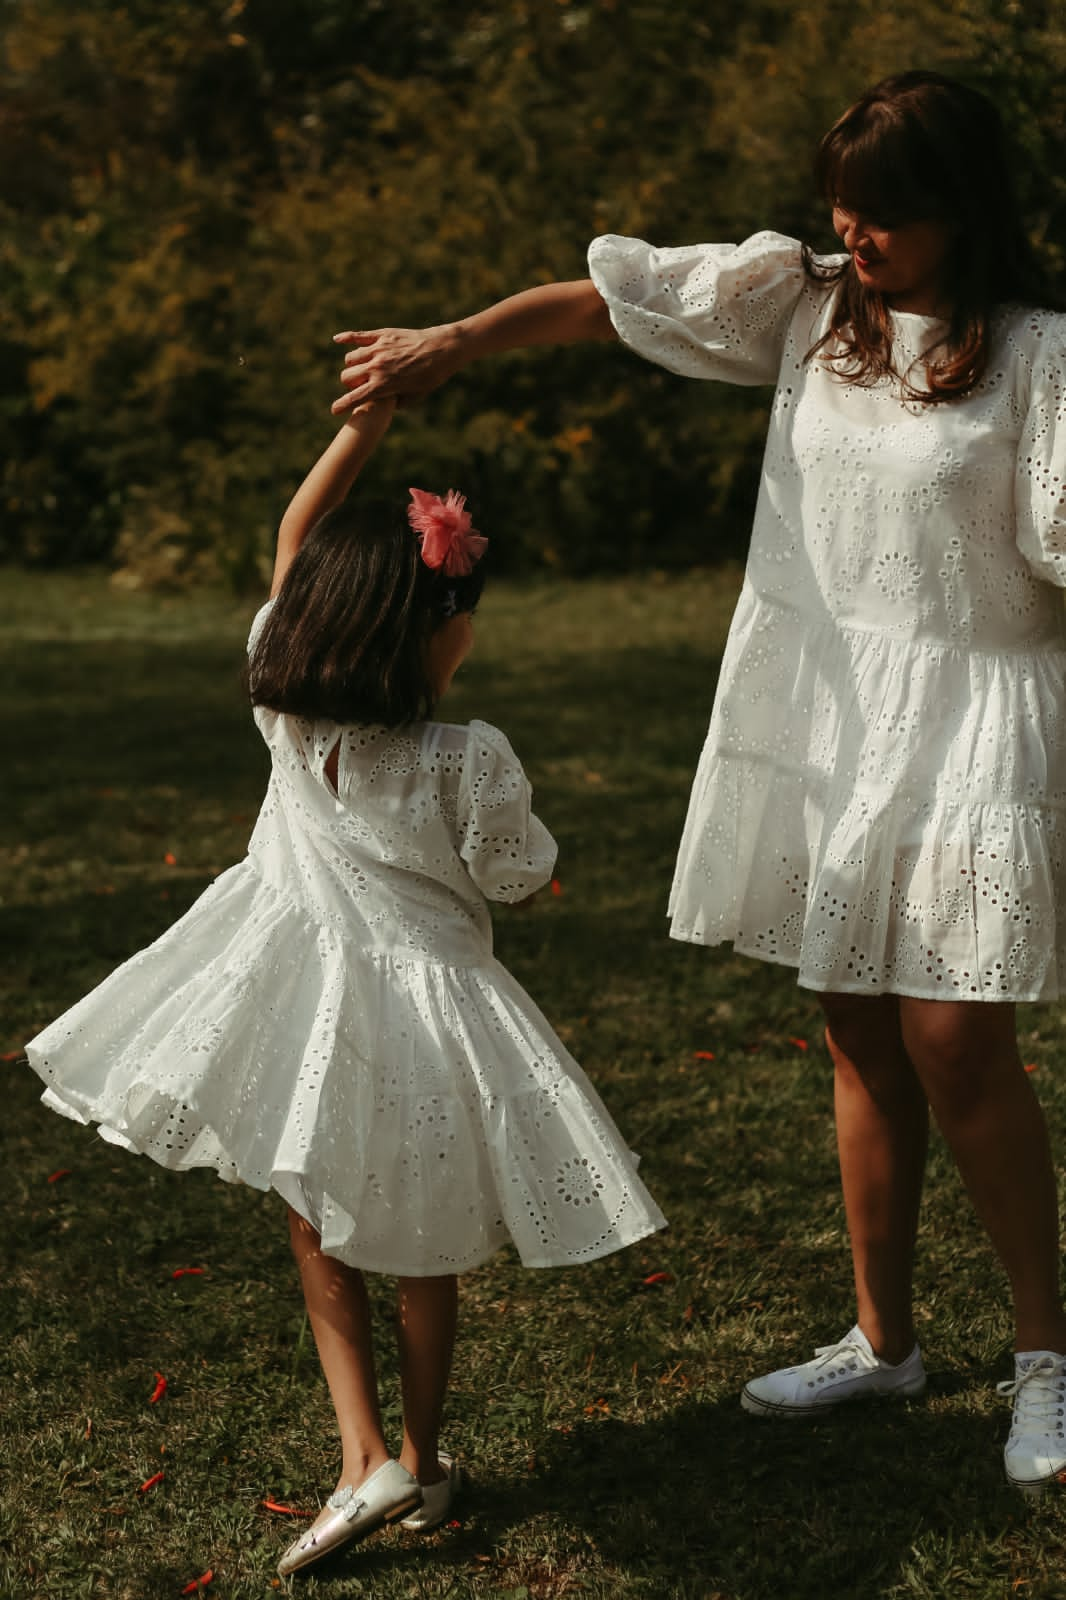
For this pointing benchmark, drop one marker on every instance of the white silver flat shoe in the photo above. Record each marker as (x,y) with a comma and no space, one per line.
(437,1499)
(353,1513)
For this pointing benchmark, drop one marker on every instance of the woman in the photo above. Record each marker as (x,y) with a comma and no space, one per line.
(879,801)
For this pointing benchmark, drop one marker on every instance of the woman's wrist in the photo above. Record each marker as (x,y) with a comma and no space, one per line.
(457,343)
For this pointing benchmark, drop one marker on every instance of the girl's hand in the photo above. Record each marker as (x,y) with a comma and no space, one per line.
(387,363)
(370,420)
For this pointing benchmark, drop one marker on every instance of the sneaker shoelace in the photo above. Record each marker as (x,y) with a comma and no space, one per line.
(1039,1395)
(846,1350)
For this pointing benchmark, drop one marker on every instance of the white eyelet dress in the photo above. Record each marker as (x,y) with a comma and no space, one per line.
(329,1020)
(880,800)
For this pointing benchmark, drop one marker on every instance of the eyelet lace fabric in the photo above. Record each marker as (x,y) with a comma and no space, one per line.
(880,799)
(329,1019)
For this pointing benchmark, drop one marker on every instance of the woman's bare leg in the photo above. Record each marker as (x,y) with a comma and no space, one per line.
(882,1123)
(966,1054)
(426,1317)
(339,1313)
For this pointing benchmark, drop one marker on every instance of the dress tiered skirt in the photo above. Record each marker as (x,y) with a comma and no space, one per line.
(419,1115)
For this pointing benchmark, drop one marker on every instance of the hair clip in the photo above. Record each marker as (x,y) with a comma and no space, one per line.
(449,543)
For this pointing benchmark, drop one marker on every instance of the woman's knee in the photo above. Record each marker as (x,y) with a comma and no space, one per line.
(959,1048)
(862,1031)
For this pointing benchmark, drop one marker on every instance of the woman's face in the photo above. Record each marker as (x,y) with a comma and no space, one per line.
(904,263)
(448,647)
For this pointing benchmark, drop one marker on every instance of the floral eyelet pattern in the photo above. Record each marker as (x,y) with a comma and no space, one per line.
(881,799)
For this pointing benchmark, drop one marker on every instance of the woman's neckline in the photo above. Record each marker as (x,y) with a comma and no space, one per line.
(915,316)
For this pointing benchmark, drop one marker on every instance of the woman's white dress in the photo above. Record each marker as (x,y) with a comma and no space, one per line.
(880,800)
(329,1020)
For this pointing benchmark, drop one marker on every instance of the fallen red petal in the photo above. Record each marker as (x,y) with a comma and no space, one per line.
(658,1277)
(12,1055)
(286,1511)
(557,887)
(160,1389)
(1030,1066)
(64,1172)
(187,1272)
(171,859)
(199,1583)
(150,1483)
(703,1055)
(801,1044)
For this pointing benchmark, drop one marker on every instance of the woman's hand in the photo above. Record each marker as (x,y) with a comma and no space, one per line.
(396,362)
(409,362)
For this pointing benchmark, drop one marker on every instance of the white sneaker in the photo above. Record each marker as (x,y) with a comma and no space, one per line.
(847,1370)
(1035,1452)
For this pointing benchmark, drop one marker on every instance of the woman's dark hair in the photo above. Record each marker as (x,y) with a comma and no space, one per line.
(347,636)
(915,147)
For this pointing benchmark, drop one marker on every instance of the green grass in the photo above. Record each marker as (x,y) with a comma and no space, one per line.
(597,1417)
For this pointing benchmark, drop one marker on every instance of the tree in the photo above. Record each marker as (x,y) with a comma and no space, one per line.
(194,194)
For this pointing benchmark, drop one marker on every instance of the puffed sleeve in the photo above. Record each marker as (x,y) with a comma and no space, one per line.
(703,310)
(508,852)
(1040,481)
(259,622)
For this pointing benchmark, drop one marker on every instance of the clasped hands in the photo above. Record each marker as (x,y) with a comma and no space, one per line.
(407,363)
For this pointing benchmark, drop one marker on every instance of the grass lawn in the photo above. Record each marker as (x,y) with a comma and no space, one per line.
(596,1413)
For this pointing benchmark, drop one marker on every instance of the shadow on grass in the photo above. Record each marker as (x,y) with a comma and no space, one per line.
(702,1502)
(710,1501)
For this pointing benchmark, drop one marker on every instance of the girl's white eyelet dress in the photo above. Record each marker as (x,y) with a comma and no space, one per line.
(329,1020)
(880,800)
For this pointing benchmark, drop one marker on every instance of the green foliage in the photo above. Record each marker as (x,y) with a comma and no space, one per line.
(195,194)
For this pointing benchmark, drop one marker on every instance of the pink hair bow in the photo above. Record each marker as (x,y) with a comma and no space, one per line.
(448,540)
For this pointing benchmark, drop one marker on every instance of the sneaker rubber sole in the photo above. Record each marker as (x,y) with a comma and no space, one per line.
(759,1407)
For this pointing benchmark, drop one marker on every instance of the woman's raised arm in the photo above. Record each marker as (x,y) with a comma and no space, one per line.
(412,361)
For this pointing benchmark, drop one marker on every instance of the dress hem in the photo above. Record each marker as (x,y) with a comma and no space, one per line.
(228,1172)
(904,991)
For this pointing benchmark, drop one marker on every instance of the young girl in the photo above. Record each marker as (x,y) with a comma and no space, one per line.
(329,1020)
(880,802)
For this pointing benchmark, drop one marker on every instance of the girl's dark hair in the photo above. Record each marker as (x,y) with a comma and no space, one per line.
(914,147)
(347,636)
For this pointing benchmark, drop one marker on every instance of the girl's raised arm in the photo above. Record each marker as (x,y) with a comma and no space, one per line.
(412,361)
(329,479)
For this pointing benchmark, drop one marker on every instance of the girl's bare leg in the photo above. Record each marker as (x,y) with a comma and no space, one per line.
(426,1317)
(882,1122)
(339,1313)
(966,1055)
